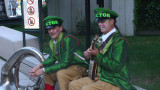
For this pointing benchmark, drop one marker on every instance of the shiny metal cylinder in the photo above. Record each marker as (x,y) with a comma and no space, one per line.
(7,81)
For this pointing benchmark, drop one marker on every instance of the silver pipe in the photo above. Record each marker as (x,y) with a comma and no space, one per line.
(7,82)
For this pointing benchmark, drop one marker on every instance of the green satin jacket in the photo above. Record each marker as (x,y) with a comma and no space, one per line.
(113,62)
(63,52)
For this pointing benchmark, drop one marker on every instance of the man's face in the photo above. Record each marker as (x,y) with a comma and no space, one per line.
(104,26)
(55,32)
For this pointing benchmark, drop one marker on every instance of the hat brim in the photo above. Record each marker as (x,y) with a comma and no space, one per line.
(101,18)
(104,18)
(49,27)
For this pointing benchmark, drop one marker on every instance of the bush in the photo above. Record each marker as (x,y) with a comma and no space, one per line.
(147,16)
(81,27)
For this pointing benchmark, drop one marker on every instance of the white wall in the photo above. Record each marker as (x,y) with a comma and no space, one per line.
(126,15)
(74,10)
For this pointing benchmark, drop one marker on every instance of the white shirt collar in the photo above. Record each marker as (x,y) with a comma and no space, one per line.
(54,42)
(105,36)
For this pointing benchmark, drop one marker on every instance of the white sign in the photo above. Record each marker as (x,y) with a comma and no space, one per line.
(31,14)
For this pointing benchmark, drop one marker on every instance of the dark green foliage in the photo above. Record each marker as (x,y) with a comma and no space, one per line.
(81,27)
(147,16)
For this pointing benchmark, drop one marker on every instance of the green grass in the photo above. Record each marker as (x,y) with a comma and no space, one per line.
(144,56)
(46,47)
(145,61)
(15,26)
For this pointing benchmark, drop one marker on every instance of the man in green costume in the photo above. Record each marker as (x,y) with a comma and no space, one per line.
(63,64)
(111,54)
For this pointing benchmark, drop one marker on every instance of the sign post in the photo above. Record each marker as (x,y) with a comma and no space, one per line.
(31,18)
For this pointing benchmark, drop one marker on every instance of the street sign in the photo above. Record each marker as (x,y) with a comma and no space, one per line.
(31,14)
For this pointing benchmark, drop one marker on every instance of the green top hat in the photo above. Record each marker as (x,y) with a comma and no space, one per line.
(52,21)
(103,13)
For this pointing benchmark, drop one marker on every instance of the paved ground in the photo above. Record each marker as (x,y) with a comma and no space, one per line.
(24,80)
(1,65)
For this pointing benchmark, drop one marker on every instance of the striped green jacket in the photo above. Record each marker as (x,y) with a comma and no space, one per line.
(63,52)
(113,62)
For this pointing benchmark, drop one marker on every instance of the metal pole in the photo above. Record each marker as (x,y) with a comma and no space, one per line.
(24,38)
(87,15)
(100,3)
(40,26)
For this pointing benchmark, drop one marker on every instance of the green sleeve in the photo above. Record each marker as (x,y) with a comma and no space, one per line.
(68,46)
(49,61)
(116,61)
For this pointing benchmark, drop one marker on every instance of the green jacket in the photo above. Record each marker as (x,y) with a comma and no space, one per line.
(65,46)
(113,62)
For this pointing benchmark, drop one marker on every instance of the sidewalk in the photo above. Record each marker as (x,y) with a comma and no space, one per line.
(24,80)
(1,65)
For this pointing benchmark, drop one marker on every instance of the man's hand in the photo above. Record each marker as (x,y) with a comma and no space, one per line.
(90,51)
(93,51)
(86,54)
(35,71)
